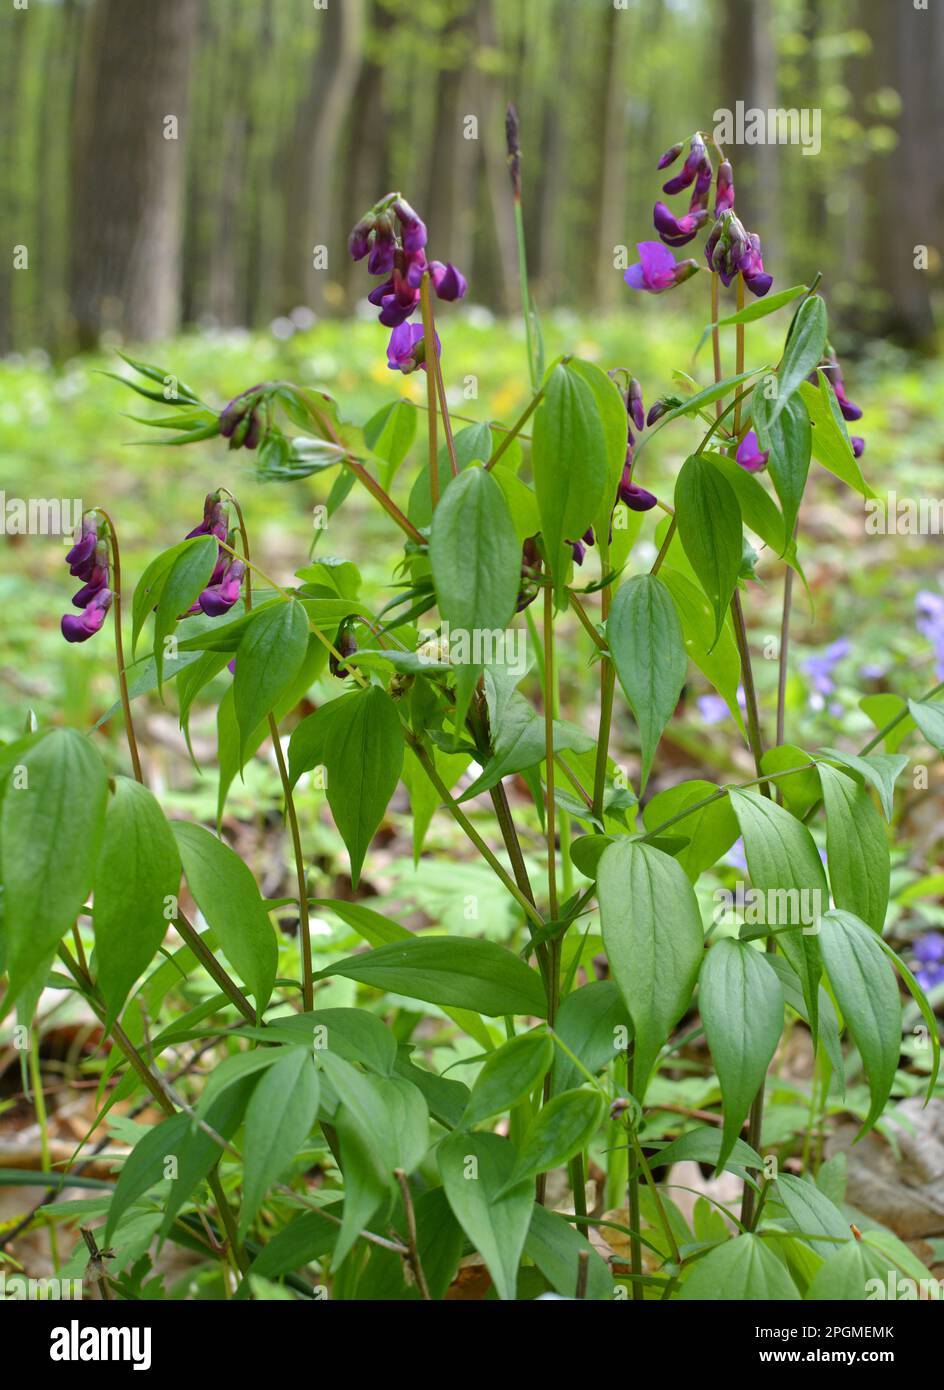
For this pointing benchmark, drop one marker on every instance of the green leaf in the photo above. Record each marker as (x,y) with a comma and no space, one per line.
(144,1167)
(845,1275)
(711,831)
(742,1270)
(226,893)
(510,1074)
(560,1129)
(805,346)
(362,758)
(476,558)
(570,460)
(444,970)
(138,869)
(707,396)
(719,661)
(280,1115)
(709,525)
(519,742)
(268,659)
(741,1005)
(51,822)
(645,639)
(556,1248)
(760,308)
(881,710)
(784,864)
(520,500)
(703,1145)
(924,1008)
(389,434)
(353,1034)
(929,717)
(800,792)
(882,770)
(864,985)
(813,1212)
(150,586)
(593,1023)
(612,415)
(831,446)
(784,428)
(186,578)
(653,936)
(475,1169)
(826,1014)
(200,1151)
(856,848)
(758,508)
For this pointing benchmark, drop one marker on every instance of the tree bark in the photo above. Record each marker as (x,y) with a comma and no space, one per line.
(128,178)
(313,212)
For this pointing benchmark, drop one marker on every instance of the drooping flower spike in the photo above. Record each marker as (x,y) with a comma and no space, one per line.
(225,582)
(731,250)
(393,238)
(88,560)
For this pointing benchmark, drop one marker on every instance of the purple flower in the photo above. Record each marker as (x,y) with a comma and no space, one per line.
(448,282)
(750,455)
(695,161)
(677,231)
(406,349)
(636,498)
(929,621)
(670,156)
(218,598)
(634,404)
(81,558)
(413,228)
(821,666)
(214,521)
(79,628)
(724,189)
(929,947)
(858,445)
(731,250)
(657,269)
(712,708)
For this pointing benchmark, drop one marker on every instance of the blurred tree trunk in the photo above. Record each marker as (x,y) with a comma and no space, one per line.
(903,185)
(612,152)
(491,117)
(748,72)
(452,159)
(128,177)
(368,166)
(313,210)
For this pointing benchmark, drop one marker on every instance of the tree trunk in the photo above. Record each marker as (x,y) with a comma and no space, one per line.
(313,213)
(749,73)
(903,185)
(128,177)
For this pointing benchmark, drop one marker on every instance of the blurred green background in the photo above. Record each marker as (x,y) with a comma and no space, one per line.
(290,119)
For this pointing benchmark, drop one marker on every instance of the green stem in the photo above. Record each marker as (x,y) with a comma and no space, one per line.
(550,817)
(429,339)
(119,646)
(525,292)
(517,427)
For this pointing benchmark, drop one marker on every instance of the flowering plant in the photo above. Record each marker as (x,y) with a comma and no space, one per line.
(327,1144)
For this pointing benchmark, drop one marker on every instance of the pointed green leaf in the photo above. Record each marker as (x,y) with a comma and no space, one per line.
(742,1270)
(226,893)
(278,1120)
(856,848)
(864,984)
(653,936)
(268,659)
(741,1005)
(509,1074)
(560,1129)
(138,869)
(475,1169)
(645,639)
(708,515)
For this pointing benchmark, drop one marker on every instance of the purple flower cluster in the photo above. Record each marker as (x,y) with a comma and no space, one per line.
(636,498)
(88,561)
(821,666)
(850,411)
(928,951)
(393,238)
(242,422)
(929,620)
(225,581)
(730,249)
